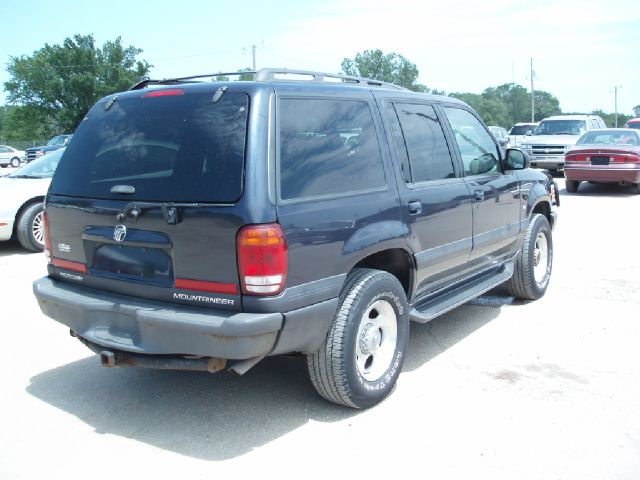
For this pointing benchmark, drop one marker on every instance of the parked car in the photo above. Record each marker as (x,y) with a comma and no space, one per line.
(610,155)
(500,134)
(55,143)
(519,131)
(22,195)
(219,223)
(633,123)
(10,156)
(554,136)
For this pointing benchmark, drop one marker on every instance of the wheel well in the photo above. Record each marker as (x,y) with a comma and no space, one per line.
(395,261)
(24,206)
(543,208)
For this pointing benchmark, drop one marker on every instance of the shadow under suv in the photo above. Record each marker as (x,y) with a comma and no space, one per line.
(206,225)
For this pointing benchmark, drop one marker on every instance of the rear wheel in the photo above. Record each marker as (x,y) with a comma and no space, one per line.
(533,265)
(30,228)
(636,188)
(359,361)
(572,185)
(15,162)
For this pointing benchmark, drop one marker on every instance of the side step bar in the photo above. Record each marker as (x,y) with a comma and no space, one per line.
(431,308)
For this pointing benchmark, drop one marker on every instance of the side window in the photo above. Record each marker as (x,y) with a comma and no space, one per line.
(420,142)
(478,150)
(327,147)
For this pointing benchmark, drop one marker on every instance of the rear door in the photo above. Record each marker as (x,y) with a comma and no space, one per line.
(148,197)
(495,195)
(435,199)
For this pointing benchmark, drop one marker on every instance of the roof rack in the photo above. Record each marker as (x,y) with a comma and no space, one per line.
(276,74)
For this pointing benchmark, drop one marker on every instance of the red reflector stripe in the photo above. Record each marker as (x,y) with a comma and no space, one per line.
(212,287)
(69,265)
(164,93)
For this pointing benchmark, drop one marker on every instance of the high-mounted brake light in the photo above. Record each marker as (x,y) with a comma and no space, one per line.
(262,259)
(164,93)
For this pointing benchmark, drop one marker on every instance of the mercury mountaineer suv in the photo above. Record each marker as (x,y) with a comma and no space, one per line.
(205,225)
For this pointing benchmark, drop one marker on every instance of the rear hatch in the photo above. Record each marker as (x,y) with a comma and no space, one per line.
(145,200)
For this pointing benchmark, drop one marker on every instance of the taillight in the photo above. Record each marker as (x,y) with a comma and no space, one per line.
(625,158)
(47,237)
(576,158)
(262,259)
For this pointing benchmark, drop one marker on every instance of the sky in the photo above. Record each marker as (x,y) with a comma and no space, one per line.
(581,49)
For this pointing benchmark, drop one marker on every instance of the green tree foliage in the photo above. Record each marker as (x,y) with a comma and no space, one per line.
(510,103)
(391,67)
(636,110)
(59,83)
(610,118)
(20,124)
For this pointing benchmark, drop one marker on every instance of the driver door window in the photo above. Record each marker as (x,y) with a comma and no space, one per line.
(479,152)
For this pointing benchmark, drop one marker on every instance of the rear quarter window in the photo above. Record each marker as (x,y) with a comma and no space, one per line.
(327,147)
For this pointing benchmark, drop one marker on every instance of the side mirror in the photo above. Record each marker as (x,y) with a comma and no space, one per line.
(516,159)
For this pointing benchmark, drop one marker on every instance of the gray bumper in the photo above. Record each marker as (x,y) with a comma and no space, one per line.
(148,327)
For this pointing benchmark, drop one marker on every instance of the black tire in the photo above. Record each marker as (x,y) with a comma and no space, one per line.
(636,188)
(30,228)
(530,278)
(572,185)
(15,162)
(359,361)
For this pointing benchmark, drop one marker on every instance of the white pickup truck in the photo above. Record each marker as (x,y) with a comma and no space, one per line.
(548,143)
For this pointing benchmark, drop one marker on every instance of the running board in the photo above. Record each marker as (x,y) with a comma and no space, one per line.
(430,309)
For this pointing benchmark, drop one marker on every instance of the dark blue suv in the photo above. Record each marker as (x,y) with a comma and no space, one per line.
(206,225)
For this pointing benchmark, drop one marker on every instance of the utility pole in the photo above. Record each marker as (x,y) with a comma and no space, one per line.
(615,101)
(533,97)
(253,54)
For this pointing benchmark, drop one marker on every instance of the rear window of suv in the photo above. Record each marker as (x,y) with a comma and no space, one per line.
(182,147)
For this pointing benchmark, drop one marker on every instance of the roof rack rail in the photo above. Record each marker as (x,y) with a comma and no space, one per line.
(276,74)
(266,74)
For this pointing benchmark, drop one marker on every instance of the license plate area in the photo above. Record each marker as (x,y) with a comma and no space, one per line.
(596,160)
(152,266)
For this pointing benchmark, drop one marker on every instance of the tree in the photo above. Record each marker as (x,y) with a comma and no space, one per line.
(546,105)
(61,82)
(610,118)
(636,110)
(391,67)
(515,99)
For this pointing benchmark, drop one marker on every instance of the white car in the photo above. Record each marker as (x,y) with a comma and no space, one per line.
(518,132)
(10,156)
(22,195)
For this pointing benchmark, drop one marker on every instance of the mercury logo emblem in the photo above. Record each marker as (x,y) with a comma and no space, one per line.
(119,233)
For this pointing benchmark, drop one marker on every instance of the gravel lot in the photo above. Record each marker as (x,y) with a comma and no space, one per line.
(492,390)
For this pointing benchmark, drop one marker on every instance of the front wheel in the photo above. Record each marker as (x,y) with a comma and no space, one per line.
(361,357)
(533,265)
(15,162)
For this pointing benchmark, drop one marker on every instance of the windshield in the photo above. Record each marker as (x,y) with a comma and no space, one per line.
(43,167)
(185,147)
(57,141)
(561,127)
(521,129)
(635,125)
(614,137)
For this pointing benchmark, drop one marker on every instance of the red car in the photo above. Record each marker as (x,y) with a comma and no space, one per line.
(633,123)
(610,155)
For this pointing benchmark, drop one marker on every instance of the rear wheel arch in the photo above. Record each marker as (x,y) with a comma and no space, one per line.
(396,261)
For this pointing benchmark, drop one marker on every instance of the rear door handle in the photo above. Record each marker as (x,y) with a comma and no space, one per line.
(479,195)
(415,207)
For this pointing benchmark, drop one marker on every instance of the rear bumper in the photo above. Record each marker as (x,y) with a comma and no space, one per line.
(622,173)
(139,326)
(147,327)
